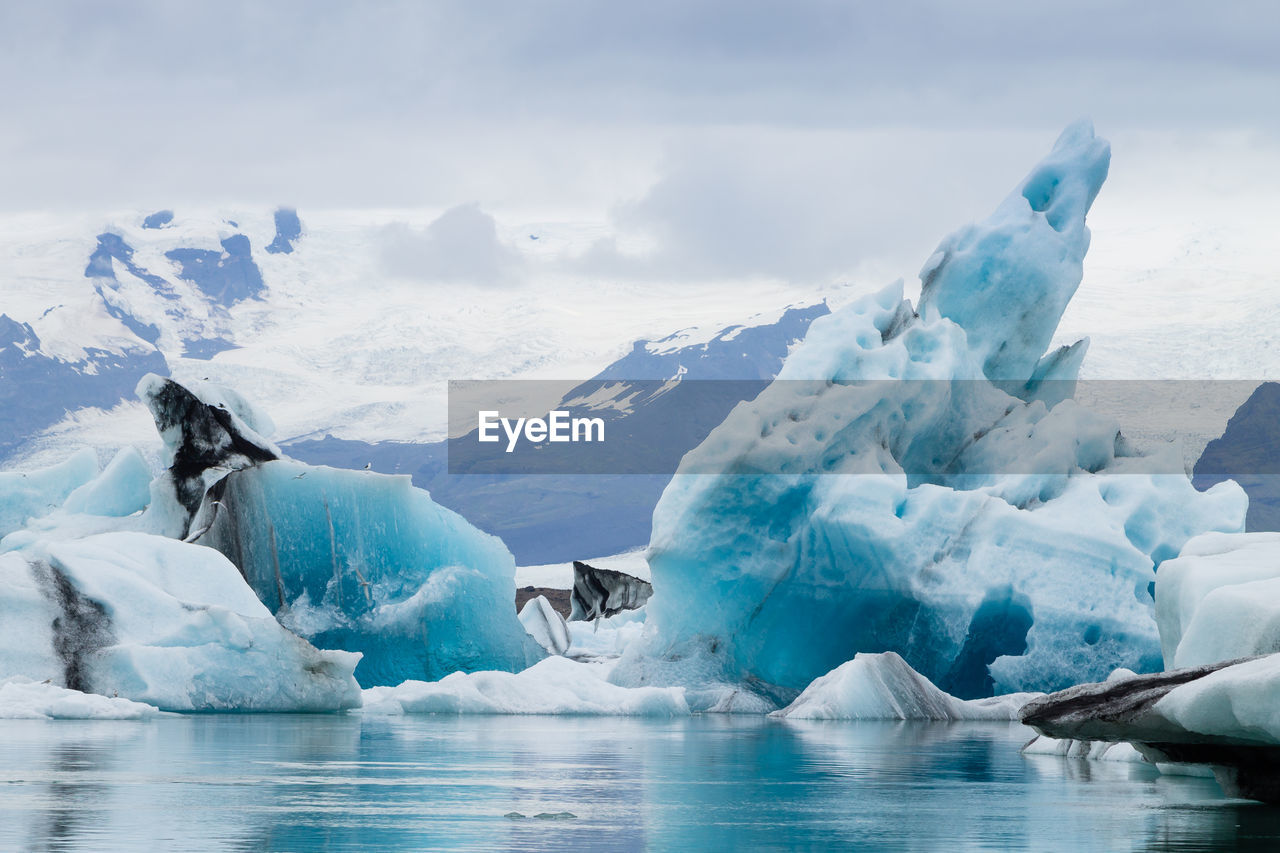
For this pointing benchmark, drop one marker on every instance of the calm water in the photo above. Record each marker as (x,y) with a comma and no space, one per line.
(710,783)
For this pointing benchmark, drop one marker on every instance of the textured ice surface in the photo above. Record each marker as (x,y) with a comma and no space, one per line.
(545,625)
(1220,599)
(554,686)
(123,488)
(31,494)
(1236,702)
(158,621)
(366,562)
(208,431)
(25,699)
(883,495)
(883,687)
(599,593)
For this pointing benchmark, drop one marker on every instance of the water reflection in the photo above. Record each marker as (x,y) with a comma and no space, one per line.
(344,783)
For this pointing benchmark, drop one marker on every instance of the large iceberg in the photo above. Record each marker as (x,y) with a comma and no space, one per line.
(218,584)
(924,483)
(351,560)
(366,562)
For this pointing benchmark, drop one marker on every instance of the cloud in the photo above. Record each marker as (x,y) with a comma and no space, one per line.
(461,246)
(809,207)
(338,104)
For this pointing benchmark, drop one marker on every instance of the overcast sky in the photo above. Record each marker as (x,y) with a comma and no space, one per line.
(786,138)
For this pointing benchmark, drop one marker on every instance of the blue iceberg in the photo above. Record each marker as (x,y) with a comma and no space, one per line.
(922,482)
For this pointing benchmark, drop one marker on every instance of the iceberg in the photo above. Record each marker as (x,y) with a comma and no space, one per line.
(161,622)
(544,624)
(216,585)
(366,562)
(883,687)
(601,593)
(922,482)
(1223,715)
(350,560)
(1220,599)
(556,685)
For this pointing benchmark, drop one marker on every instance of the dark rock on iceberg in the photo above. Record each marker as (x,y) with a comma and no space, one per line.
(601,593)
(1249,453)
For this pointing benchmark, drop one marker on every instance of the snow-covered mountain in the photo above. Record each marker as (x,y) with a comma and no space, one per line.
(315,317)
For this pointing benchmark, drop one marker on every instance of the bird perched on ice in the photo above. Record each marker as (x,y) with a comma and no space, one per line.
(368,465)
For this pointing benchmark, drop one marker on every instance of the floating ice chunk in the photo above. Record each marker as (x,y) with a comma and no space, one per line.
(1220,599)
(31,494)
(544,624)
(162,622)
(883,687)
(600,593)
(556,685)
(1220,714)
(123,488)
(24,699)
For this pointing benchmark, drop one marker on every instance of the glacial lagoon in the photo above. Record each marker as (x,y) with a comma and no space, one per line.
(352,782)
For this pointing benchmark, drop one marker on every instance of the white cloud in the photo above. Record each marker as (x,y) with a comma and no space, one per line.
(461,246)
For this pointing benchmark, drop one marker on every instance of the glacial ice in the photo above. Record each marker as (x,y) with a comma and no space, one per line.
(25,495)
(1219,719)
(883,687)
(1220,599)
(158,621)
(555,685)
(346,559)
(545,625)
(366,562)
(123,590)
(601,593)
(884,494)
(26,699)
(1236,702)
(123,488)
